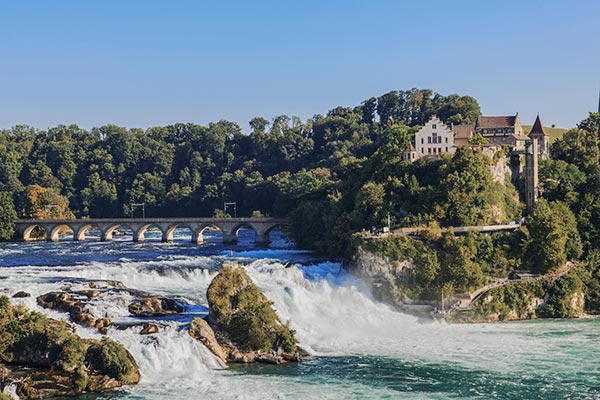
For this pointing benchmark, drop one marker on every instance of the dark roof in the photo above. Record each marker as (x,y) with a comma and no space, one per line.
(508,121)
(463,131)
(537,129)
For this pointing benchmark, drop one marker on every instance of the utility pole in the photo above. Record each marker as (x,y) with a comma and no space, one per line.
(230,204)
(134,205)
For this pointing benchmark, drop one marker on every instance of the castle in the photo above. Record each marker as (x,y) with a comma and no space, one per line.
(436,137)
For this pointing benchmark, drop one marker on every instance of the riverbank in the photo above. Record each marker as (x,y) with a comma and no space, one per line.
(415,275)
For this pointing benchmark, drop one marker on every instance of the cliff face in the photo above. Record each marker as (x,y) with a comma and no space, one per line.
(387,280)
(381,275)
(392,282)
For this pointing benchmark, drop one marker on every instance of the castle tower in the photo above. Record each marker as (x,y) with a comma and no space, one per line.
(543,139)
(531,173)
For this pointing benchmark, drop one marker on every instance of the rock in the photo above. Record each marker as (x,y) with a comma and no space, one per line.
(48,360)
(154,307)
(102,325)
(90,293)
(243,319)
(268,359)
(57,301)
(148,329)
(237,356)
(201,330)
(297,357)
(21,294)
(81,316)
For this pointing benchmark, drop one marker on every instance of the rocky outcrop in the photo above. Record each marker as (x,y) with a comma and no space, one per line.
(201,330)
(242,325)
(45,359)
(68,302)
(76,304)
(387,280)
(155,307)
(149,329)
(21,294)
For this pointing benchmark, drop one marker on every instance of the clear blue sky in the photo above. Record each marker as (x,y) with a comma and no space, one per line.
(146,63)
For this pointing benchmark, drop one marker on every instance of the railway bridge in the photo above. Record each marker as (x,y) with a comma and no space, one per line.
(80,227)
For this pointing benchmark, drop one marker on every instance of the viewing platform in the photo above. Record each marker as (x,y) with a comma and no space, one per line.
(229,227)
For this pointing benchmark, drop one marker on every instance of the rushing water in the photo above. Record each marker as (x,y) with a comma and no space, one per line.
(362,349)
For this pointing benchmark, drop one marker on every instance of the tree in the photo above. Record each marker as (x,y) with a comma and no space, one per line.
(368,109)
(477,140)
(553,237)
(45,203)
(8,216)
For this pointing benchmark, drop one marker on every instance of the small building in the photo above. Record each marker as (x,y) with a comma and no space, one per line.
(410,154)
(434,138)
(538,132)
(462,134)
(502,130)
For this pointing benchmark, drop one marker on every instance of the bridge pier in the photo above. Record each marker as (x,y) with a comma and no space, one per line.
(262,240)
(230,238)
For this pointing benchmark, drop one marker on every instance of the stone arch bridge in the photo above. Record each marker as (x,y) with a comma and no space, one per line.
(228,226)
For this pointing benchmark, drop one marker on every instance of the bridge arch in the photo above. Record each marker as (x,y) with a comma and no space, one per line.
(169,231)
(53,232)
(81,232)
(29,230)
(107,232)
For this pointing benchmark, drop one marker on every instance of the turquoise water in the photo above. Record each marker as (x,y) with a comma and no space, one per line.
(361,349)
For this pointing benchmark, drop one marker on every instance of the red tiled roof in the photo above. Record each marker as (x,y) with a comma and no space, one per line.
(537,129)
(411,147)
(496,122)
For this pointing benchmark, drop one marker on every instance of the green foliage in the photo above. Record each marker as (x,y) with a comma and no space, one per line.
(553,237)
(4,301)
(72,354)
(34,340)
(81,379)
(112,359)
(243,311)
(456,263)
(8,216)
(561,297)
(477,140)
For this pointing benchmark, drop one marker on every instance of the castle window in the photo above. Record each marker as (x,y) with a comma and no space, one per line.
(433,126)
(435,137)
(428,139)
(446,140)
(446,149)
(421,140)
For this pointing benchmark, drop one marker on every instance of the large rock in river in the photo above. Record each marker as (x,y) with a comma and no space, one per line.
(49,360)
(245,323)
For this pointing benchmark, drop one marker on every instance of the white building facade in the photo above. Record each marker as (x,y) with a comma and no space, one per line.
(434,138)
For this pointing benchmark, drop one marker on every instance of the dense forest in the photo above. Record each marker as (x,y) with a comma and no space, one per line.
(332,174)
(191,170)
